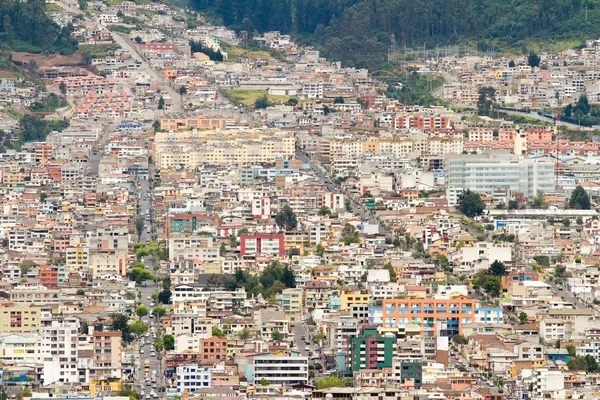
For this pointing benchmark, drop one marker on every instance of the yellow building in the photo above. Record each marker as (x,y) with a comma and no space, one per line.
(17,318)
(349,299)
(77,258)
(187,150)
(97,387)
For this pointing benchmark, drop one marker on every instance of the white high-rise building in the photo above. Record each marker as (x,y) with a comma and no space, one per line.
(484,173)
(59,350)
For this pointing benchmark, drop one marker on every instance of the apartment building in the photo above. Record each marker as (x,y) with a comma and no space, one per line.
(486,172)
(191,377)
(20,318)
(213,349)
(107,355)
(187,121)
(279,370)
(290,300)
(21,351)
(193,246)
(59,350)
(273,245)
(457,311)
(370,350)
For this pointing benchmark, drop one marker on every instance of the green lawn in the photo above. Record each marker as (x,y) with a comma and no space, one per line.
(248,97)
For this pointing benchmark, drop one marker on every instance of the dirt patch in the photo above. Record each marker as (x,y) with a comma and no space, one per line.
(47,60)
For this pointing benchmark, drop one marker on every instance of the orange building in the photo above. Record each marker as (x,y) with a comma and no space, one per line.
(539,136)
(183,121)
(49,276)
(213,349)
(420,122)
(425,312)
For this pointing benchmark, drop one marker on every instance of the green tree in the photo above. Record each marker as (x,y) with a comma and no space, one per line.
(63,88)
(566,222)
(338,100)
(292,101)
(222,250)
(161,103)
(169,342)
(393,276)
(459,339)
(141,311)
(262,102)
(120,323)
(330,381)
(140,275)
(486,101)
(441,261)
(276,288)
(579,221)
(533,60)
(571,350)
(218,332)
(523,319)
(159,312)
(470,203)
(539,200)
(349,234)
(156,126)
(276,336)
(497,268)
(244,334)
(577,363)
(320,250)
(513,205)
(324,211)
(511,64)
(592,364)
(138,328)
(165,297)
(183,90)
(264,382)
(580,200)
(286,219)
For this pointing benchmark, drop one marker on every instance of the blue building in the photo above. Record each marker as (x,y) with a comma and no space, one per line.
(488,315)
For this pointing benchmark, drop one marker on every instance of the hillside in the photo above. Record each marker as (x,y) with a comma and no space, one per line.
(358,32)
(25,26)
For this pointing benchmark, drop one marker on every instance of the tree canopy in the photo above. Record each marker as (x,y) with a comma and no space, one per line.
(25,26)
(360,32)
(470,203)
(580,200)
(286,219)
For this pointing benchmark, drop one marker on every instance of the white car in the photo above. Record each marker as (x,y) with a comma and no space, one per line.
(142,351)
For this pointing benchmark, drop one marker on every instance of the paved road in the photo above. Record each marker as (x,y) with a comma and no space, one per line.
(147,351)
(541,118)
(321,173)
(300,330)
(130,46)
(94,162)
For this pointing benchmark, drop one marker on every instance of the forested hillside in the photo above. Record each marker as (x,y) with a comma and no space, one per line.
(358,31)
(25,26)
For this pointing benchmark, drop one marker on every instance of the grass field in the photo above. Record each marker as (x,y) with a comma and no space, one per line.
(234,53)
(248,97)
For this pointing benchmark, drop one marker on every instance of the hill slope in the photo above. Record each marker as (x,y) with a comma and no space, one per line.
(25,26)
(358,31)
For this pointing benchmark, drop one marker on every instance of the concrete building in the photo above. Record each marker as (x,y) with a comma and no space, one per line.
(59,347)
(20,318)
(107,355)
(487,172)
(279,370)
(191,377)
